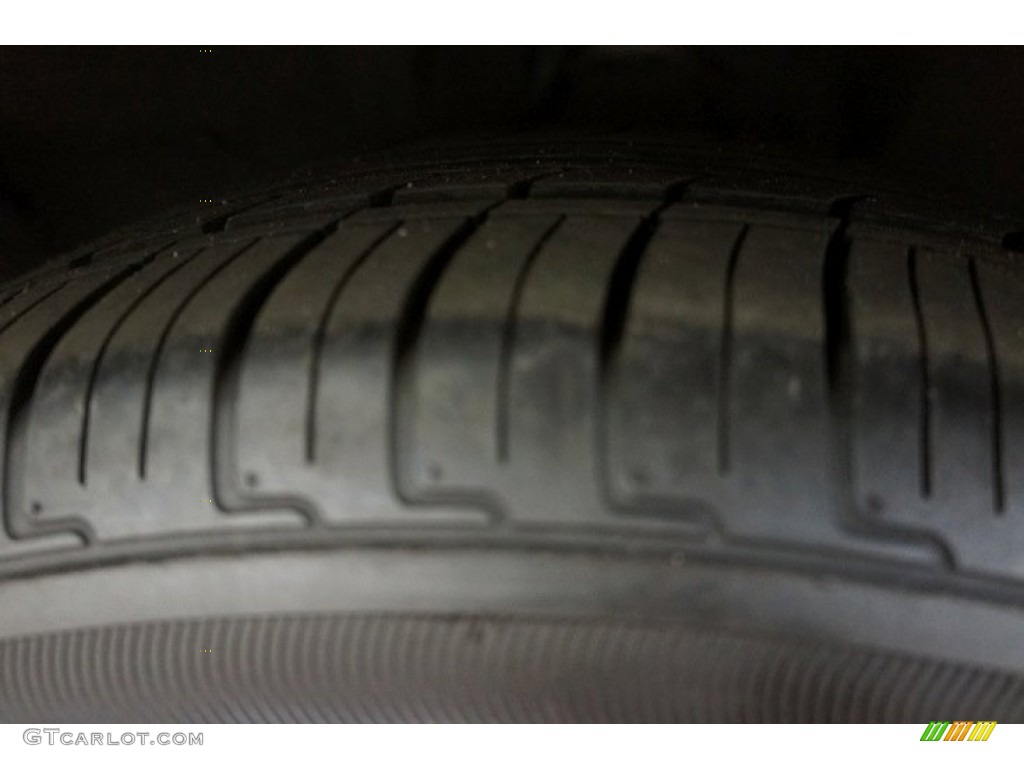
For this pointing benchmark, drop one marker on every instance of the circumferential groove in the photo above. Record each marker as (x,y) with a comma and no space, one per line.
(995,392)
(924,383)
(508,340)
(725,353)
(319,336)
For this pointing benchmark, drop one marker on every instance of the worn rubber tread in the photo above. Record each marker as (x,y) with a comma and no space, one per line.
(561,351)
(660,396)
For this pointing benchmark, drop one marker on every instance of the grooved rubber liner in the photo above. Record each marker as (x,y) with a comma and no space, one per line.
(349,668)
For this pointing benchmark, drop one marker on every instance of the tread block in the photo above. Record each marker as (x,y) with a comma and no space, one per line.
(122,381)
(924,416)
(276,415)
(28,338)
(553,389)
(960,414)
(775,420)
(352,449)
(718,395)
(782,450)
(454,430)
(663,410)
(886,382)
(152,400)
(182,397)
(1001,287)
(57,445)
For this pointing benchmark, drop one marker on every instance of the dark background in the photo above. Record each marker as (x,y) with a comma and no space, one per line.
(92,138)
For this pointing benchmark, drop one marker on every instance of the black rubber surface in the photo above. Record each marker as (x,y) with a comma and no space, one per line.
(358,668)
(617,351)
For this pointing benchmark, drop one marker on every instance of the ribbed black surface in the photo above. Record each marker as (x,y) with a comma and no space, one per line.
(345,668)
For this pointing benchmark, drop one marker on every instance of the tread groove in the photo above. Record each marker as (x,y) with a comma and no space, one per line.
(998,482)
(836,298)
(924,384)
(725,353)
(620,289)
(508,336)
(32,306)
(11,297)
(838,351)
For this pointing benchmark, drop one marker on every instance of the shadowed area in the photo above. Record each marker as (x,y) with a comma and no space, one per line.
(93,138)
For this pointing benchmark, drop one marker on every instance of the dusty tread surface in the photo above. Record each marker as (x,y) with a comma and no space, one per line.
(637,355)
(632,356)
(605,353)
(601,348)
